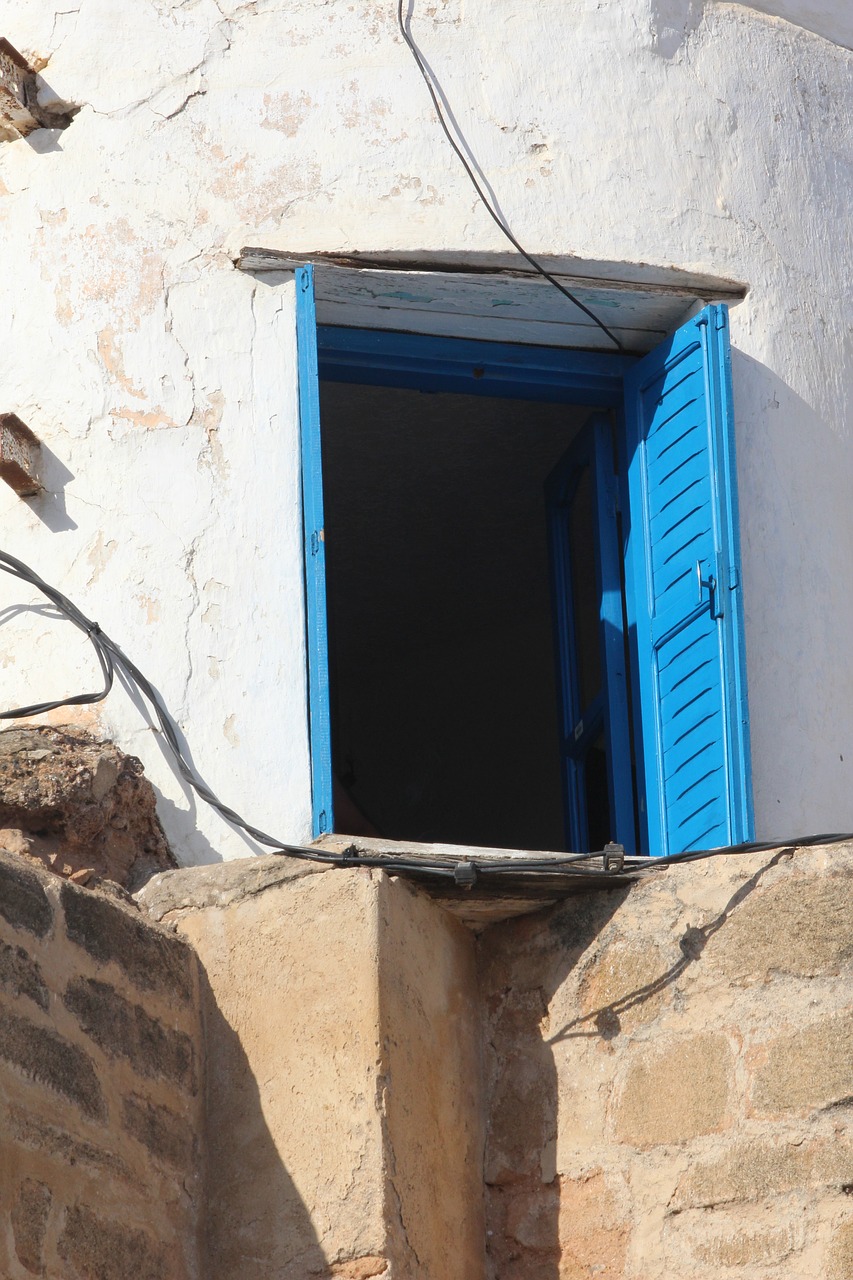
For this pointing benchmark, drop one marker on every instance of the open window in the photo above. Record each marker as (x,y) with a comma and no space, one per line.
(522,586)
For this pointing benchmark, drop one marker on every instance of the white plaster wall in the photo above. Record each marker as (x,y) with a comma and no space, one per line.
(710,137)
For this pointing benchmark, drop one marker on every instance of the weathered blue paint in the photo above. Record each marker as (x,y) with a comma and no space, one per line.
(580,725)
(684,594)
(315,553)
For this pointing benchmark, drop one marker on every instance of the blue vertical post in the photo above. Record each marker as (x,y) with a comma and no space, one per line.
(315,553)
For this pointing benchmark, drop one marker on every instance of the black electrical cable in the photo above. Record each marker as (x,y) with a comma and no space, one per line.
(461,870)
(490,209)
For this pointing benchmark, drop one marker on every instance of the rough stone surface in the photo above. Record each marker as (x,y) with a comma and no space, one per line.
(700,1095)
(195,888)
(809,1066)
(751,1169)
(29,1221)
(697,1077)
(153,959)
(23,901)
(20,975)
(99,1249)
(49,1060)
(799,927)
(101,1127)
(124,1029)
(841,1253)
(166,1135)
(30,1131)
(434,1128)
(78,805)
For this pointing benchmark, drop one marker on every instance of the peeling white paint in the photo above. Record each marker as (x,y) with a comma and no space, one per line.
(709,137)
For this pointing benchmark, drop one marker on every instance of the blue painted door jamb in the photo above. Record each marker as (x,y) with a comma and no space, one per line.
(315,554)
(580,725)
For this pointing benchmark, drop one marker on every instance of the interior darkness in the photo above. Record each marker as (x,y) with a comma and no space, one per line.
(444,706)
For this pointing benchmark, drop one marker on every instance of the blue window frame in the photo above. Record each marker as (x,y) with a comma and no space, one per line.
(687,667)
(582,504)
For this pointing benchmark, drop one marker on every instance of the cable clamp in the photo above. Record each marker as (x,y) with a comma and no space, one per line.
(613,857)
(465,875)
(93,630)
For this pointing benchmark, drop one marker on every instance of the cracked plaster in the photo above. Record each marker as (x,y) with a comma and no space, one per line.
(162,381)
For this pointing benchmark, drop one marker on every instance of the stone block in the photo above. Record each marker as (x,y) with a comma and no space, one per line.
(755,1169)
(122,1029)
(20,975)
(35,1134)
(43,1056)
(798,926)
(675,1093)
(166,1135)
(100,1249)
(29,1222)
(807,1068)
(733,1241)
(593,1229)
(626,981)
(23,901)
(153,959)
(523,1118)
(840,1260)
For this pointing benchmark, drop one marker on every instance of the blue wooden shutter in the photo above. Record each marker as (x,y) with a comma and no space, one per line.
(684,592)
(315,552)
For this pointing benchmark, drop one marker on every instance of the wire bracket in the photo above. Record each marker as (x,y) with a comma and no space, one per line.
(613,857)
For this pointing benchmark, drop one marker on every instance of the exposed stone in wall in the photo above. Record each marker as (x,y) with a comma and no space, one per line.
(100,1111)
(670,1077)
(81,807)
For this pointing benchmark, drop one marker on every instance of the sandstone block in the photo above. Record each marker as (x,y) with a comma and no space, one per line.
(732,1241)
(624,980)
(30,1131)
(23,901)
(46,1058)
(126,1030)
(752,1170)
(807,1068)
(99,1249)
(20,975)
(29,1222)
(153,959)
(798,926)
(841,1253)
(593,1231)
(166,1135)
(675,1093)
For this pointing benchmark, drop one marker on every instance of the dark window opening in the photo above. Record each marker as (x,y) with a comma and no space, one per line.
(441,647)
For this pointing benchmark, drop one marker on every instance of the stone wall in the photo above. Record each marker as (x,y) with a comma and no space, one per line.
(670,1077)
(657,1080)
(100,1087)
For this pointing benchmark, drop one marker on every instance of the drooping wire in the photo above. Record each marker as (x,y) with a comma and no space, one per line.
(404,24)
(112,659)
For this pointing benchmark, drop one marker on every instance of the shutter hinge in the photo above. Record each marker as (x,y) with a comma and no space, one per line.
(721,317)
(734,578)
(317,536)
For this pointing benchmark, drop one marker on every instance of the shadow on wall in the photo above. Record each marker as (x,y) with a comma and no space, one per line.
(523,964)
(257,1224)
(794,466)
(521,969)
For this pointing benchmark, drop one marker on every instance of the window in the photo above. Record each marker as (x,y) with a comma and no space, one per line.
(650,739)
